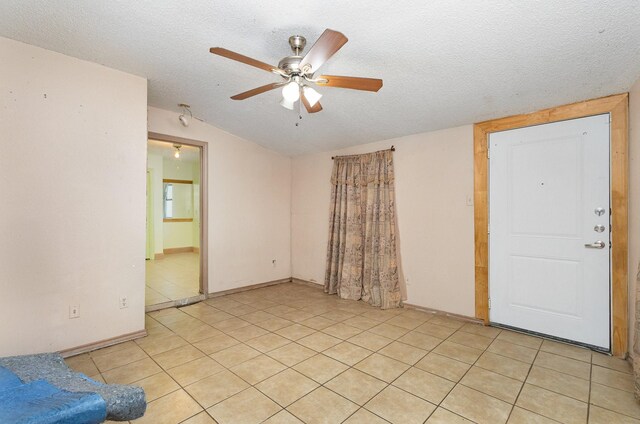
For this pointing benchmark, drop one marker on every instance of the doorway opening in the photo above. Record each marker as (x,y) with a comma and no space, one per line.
(549,249)
(616,107)
(176,222)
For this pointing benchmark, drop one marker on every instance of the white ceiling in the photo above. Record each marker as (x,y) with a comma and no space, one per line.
(444,63)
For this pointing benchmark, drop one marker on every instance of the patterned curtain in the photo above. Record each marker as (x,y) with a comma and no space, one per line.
(361,253)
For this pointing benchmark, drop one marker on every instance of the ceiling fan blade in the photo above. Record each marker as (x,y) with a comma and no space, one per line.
(329,42)
(257,91)
(355,83)
(241,58)
(311,109)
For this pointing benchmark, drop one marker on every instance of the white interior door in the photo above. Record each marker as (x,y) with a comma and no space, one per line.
(549,229)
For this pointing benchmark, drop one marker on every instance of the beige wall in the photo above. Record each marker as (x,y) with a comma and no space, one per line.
(73,139)
(634,202)
(177,169)
(249,204)
(177,234)
(72,220)
(155,164)
(434,177)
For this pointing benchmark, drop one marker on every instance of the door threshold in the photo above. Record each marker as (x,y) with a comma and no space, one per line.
(175,303)
(552,338)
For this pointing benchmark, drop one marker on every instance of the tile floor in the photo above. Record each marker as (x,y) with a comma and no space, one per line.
(174,277)
(291,354)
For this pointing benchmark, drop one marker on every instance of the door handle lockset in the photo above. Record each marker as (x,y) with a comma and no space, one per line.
(597,245)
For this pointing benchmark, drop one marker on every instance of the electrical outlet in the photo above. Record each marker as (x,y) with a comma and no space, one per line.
(74,311)
(124,302)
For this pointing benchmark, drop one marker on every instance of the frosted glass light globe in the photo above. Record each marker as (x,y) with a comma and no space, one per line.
(311,95)
(291,92)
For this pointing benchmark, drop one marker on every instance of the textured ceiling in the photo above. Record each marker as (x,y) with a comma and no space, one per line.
(444,63)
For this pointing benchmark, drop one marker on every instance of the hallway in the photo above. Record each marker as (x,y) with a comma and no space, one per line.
(174,277)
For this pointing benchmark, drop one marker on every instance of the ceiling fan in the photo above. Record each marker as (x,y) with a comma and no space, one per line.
(298,71)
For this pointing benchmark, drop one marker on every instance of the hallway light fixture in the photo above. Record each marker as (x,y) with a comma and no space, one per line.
(182,118)
(177,152)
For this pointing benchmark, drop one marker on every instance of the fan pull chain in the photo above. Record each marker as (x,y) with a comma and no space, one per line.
(299,111)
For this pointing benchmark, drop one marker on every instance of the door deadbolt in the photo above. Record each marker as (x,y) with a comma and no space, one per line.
(599,211)
(599,228)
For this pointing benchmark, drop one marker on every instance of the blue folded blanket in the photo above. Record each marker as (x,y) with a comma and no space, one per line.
(39,402)
(124,403)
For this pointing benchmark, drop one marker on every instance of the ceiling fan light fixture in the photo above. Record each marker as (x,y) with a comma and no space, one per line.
(291,92)
(299,69)
(311,95)
(286,104)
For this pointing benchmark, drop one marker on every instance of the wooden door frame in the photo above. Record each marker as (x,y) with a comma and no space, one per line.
(204,201)
(618,108)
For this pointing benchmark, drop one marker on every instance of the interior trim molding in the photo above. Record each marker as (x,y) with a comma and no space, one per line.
(204,199)
(617,106)
(175,303)
(249,287)
(307,283)
(177,219)
(171,250)
(438,312)
(174,181)
(405,305)
(102,343)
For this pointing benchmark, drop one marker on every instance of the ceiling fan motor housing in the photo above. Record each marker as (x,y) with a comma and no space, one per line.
(291,64)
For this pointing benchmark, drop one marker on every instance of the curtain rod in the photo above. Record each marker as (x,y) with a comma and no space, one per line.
(393,149)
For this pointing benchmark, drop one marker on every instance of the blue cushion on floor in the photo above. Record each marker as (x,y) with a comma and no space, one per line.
(39,402)
(8,380)
(124,403)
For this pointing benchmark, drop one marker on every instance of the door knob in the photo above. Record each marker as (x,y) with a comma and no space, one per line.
(597,245)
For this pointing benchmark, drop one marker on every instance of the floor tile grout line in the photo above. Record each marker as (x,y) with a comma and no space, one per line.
(359,406)
(515,401)
(291,302)
(590,387)
(411,366)
(556,392)
(181,387)
(459,382)
(321,352)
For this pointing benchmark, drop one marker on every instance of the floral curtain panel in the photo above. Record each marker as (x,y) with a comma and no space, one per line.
(362,258)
